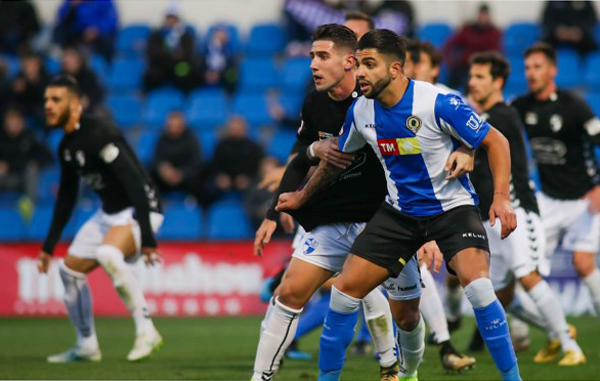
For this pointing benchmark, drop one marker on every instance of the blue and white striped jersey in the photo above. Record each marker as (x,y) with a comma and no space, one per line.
(413,141)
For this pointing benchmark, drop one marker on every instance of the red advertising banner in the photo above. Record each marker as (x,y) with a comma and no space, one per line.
(195,279)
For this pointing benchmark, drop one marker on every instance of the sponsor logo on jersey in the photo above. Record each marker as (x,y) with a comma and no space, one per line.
(109,153)
(399,146)
(310,245)
(414,123)
(80,158)
(556,122)
(531,118)
(474,122)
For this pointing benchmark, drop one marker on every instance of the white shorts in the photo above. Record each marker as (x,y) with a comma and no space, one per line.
(570,221)
(521,253)
(91,235)
(327,247)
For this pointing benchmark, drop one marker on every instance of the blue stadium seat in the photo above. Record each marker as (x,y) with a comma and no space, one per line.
(208,141)
(519,36)
(145,146)
(99,65)
(12,64)
(48,185)
(53,140)
(265,39)
(253,108)
(591,72)
(9,198)
(281,145)
(296,74)
(569,68)
(131,40)
(516,81)
(227,220)
(257,75)
(207,109)
(40,222)
(13,228)
(181,223)
(436,33)
(292,104)
(594,100)
(126,74)
(52,65)
(234,36)
(159,103)
(125,109)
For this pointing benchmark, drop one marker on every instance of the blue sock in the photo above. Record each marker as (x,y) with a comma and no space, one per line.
(338,332)
(492,324)
(314,316)
(363,334)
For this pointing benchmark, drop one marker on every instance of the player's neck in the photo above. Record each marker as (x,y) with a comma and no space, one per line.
(343,89)
(394,93)
(492,100)
(546,92)
(70,127)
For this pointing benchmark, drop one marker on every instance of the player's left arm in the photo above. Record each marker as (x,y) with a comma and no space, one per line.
(591,125)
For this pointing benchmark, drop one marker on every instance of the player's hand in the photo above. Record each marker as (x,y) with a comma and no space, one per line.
(290,201)
(287,222)
(593,196)
(460,162)
(328,151)
(151,256)
(272,179)
(431,255)
(263,236)
(502,208)
(44,262)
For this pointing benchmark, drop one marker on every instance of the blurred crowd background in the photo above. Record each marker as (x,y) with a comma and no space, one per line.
(210,110)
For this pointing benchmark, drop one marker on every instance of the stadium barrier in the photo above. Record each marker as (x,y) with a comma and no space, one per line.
(196,279)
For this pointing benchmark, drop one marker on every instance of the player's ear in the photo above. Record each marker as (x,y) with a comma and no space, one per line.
(395,69)
(350,62)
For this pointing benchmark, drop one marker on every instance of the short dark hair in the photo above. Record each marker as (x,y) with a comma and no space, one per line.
(340,35)
(499,66)
(386,42)
(362,17)
(435,55)
(412,47)
(66,81)
(544,48)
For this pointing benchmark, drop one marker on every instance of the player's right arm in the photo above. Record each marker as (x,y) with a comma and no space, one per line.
(65,203)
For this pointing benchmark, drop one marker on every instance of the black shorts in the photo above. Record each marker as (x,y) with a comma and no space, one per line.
(391,238)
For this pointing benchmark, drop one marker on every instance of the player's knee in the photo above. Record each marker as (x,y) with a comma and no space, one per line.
(291,296)
(530,280)
(406,314)
(109,257)
(584,263)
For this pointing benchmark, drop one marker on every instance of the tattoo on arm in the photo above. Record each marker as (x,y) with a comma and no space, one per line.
(324,174)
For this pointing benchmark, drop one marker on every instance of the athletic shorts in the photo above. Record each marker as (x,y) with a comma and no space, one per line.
(571,221)
(392,237)
(91,235)
(519,254)
(327,246)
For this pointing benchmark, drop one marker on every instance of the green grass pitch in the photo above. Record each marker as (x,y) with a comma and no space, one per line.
(223,349)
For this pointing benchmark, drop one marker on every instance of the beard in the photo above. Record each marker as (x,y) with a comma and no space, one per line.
(378,87)
(62,120)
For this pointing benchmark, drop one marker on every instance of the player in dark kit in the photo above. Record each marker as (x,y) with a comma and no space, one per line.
(94,150)
(522,256)
(562,130)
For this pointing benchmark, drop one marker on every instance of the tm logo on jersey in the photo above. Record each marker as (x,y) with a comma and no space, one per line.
(310,245)
(399,146)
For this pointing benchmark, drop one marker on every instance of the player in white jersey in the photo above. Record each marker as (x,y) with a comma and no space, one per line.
(413,127)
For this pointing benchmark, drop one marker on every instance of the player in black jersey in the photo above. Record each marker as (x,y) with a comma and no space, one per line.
(95,150)
(562,130)
(521,256)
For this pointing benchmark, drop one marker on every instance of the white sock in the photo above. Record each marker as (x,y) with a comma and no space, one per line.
(550,308)
(454,302)
(592,281)
(432,308)
(411,347)
(277,335)
(78,300)
(524,308)
(268,312)
(379,322)
(113,262)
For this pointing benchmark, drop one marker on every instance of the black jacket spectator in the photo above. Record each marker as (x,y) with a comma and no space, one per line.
(29,86)
(74,63)
(570,24)
(18,24)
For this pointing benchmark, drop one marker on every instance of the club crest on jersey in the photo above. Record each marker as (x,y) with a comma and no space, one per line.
(556,122)
(414,123)
(310,246)
(80,158)
(531,118)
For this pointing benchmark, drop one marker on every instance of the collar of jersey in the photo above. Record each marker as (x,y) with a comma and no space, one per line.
(404,96)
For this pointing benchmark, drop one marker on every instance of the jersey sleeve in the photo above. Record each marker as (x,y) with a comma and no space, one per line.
(589,120)
(350,138)
(459,120)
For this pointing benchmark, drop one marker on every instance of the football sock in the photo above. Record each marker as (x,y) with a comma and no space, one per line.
(432,308)
(525,309)
(378,318)
(411,348)
(592,281)
(263,323)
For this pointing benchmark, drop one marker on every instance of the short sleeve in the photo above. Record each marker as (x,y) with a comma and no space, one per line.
(589,120)
(459,120)
(350,139)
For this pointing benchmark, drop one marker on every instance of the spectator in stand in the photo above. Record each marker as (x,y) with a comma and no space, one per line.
(258,200)
(19,23)
(474,37)
(177,159)
(219,60)
(236,158)
(21,155)
(29,85)
(171,55)
(89,23)
(5,92)
(75,63)
(570,24)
